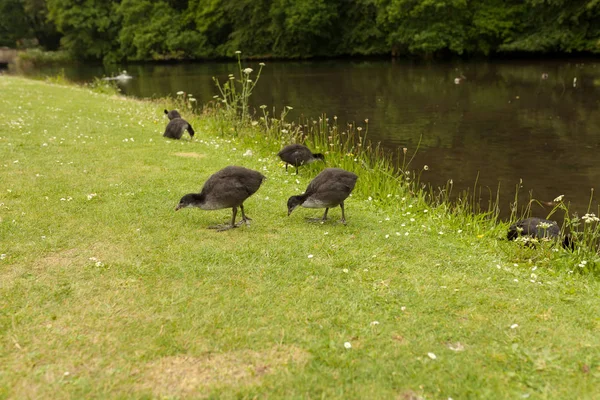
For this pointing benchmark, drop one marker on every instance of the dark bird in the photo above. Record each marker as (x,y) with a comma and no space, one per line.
(226,188)
(176,127)
(329,189)
(297,155)
(172,114)
(538,228)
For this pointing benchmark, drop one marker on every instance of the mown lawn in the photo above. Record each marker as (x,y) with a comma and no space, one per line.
(107,292)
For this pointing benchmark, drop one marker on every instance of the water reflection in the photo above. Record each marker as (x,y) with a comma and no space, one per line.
(504,121)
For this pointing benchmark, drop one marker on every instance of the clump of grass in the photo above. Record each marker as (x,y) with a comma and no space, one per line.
(104,86)
(59,79)
(183,101)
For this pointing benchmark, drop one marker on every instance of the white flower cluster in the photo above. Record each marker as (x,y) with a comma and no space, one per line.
(589,218)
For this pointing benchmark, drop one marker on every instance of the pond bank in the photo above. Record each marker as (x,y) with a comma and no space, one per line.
(107,292)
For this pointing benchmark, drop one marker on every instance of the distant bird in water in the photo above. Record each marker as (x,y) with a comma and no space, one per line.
(329,189)
(176,127)
(459,79)
(172,114)
(297,155)
(229,187)
(538,228)
(123,76)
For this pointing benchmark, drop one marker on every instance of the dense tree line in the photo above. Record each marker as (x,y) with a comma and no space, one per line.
(193,29)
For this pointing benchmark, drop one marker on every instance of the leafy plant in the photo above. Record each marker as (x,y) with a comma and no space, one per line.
(234,94)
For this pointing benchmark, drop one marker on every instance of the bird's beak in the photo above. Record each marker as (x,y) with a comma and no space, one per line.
(177,208)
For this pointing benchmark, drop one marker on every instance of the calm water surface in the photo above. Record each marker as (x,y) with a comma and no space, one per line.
(507,121)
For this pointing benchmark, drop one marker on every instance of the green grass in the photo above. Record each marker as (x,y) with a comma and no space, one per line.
(119,296)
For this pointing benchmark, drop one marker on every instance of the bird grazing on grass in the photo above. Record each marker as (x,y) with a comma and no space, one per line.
(172,114)
(229,187)
(176,127)
(538,228)
(329,189)
(297,155)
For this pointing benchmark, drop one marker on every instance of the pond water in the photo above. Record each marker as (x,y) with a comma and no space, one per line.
(500,123)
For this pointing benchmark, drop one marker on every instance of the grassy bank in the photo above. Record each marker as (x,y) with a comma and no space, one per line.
(107,292)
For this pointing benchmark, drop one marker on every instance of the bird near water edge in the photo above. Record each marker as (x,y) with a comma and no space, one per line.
(329,189)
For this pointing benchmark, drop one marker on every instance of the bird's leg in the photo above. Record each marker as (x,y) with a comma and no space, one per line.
(343,216)
(286,164)
(245,219)
(321,220)
(296,170)
(224,227)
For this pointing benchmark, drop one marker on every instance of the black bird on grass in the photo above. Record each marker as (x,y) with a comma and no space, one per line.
(176,127)
(297,155)
(329,189)
(172,114)
(539,228)
(229,187)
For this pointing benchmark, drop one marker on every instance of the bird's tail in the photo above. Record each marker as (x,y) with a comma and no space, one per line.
(190,130)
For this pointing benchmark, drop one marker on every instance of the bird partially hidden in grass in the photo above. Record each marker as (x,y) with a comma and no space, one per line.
(297,155)
(172,114)
(329,189)
(227,188)
(539,228)
(177,126)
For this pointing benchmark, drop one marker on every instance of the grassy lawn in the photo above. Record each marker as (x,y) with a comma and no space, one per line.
(107,292)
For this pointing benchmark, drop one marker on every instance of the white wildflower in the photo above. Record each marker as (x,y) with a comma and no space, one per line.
(432,356)
(589,218)
(180,93)
(559,198)
(374,323)
(248,71)
(348,345)
(310,256)
(514,326)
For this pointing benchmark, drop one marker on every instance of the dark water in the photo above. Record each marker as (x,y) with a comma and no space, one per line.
(506,122)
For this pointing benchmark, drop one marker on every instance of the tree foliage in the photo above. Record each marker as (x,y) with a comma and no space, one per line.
(192,29)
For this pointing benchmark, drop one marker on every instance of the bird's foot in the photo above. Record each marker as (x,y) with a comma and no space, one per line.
(222,227)
(244,221)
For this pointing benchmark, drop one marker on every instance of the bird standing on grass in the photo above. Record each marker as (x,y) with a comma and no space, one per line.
(297,155)
(538,228)
(329,189)
(176,127)
(229,187)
